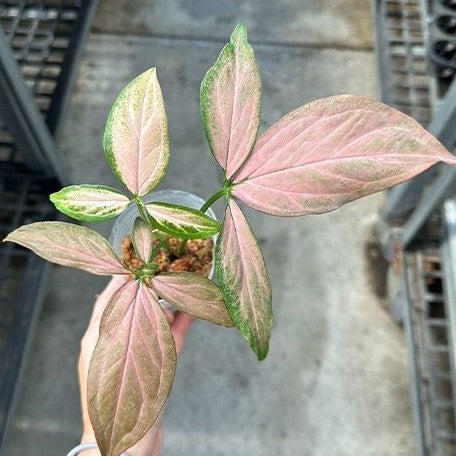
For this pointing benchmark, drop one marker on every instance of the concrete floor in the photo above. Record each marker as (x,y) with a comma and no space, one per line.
(335,382)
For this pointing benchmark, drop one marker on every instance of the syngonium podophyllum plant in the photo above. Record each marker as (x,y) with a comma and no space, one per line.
(315,159)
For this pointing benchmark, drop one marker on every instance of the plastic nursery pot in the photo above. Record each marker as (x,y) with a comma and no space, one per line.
(123,225)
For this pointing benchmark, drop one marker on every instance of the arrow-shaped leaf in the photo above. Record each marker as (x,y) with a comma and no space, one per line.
(230,102)
(244,280)
(90,203)
(332,151)
(69,245)
(193,294)
(132,369)
(182,221)
(136,137)
(142,238)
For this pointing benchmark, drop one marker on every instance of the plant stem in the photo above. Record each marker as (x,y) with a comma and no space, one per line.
(141,211)
(204,208)
(213,199)
(156,249)
(181,249)
(143,214)
(225,191)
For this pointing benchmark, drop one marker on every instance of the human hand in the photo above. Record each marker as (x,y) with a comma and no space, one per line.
(151,444)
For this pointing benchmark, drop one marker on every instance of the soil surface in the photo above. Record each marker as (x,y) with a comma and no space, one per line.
(196,258)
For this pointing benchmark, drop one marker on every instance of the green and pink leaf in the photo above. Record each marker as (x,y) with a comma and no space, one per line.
(132,369)
(230,102)
(136,140)
(182,221)
(69,245)
(90,203)
(332,151)
(142,238)
(244,281)
(193,294)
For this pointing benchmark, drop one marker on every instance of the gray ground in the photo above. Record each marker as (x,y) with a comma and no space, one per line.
(335,382)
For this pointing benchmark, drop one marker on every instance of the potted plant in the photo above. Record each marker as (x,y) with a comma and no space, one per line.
(313,160)
(195,256)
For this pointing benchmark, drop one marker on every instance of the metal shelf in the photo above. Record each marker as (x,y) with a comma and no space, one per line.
(419,83)
(430,350)
(46,37)
(40,46)
(401,54)
(22,282)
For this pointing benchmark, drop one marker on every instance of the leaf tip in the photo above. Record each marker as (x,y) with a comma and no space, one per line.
(262,354)
(259,345)
(11,237)
(54,198)
(261,348)
(151,73)
(450,160)
(239,33)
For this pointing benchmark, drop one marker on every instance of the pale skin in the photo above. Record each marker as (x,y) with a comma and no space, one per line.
(151,444)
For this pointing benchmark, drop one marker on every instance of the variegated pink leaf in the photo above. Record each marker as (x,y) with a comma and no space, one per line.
(90,203)
(244,280)
(193,294)
(230,102)
(136,137)
(132,368)
(142,238)
(332,151)
(69,245)
(182,221)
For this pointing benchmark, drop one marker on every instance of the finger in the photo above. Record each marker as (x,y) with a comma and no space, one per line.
(114,284)
(180,328)
(169,316)
(90,337)
(182,323)
(88,343)
(151,444)
(89,340)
